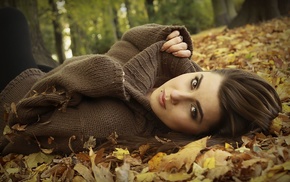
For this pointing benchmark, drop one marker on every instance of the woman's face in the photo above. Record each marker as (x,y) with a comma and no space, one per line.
(188,103)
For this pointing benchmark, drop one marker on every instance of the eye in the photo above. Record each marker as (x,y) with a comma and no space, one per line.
(194,83)
(193,111)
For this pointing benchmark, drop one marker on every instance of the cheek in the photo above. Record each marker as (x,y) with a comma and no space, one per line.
(180,121)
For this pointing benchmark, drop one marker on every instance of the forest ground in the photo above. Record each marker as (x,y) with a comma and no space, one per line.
(263,49)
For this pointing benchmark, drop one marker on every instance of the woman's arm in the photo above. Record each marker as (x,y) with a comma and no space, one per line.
(92,76)
(141,37)
(146,35)
(152,66)
(89,75)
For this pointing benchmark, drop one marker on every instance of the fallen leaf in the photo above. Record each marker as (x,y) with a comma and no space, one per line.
(34,159)
(155,161)
(85,172)
(19,127)
(100,173)
(184,157)
(123,173)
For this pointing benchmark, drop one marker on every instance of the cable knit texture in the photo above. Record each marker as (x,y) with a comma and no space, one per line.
(93,95)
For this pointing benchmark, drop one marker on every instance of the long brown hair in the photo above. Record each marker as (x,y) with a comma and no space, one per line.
(247,102)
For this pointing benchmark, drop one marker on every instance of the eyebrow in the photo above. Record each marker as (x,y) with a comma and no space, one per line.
(200,79)
(200,111)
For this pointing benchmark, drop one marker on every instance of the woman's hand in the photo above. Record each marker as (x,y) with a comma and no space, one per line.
(175,45)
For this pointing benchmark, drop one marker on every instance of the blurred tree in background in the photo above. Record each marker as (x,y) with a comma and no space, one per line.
(65,28)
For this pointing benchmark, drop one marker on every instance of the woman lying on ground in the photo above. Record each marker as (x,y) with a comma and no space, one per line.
(145,85)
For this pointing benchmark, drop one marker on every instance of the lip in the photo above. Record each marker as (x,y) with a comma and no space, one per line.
(162,99)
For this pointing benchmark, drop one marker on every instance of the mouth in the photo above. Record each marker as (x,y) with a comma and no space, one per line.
(162,99)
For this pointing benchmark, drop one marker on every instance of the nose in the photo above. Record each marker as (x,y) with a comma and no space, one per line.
(177,96)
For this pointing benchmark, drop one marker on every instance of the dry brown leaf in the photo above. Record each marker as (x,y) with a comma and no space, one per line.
(185,157)
(19,127)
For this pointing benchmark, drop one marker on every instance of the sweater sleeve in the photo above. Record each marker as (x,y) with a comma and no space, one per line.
(138,38)
(92,76)
(151,64)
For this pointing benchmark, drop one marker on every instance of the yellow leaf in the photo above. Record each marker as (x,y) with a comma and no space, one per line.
(7,130)
(155,161)
(213,157)
(41,168)
(119,153)
(276,125)
(231,58)
(228,146)
(217,172)
(275,170)
(281,177)
(283,91)
(11,168)
(285,108)
(209,163)
(286,165)
(146,177)
(34,159)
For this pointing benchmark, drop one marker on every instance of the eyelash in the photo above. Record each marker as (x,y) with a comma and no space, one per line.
(194,82)
(193,111)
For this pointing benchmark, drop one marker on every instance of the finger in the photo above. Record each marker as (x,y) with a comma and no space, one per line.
(173,34)
(182,53)
(181,38)
(177,47)
(171,42)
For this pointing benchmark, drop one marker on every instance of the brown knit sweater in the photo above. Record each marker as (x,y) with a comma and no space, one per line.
(92,95)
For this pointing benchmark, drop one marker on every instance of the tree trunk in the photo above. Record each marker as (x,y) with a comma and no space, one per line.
(224,11)
(76,35)
(112,16)
(57,27)
(284,7)
(116,23)
(254,11)
(220,12)
(128,6)
(231,10)
(150,10)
